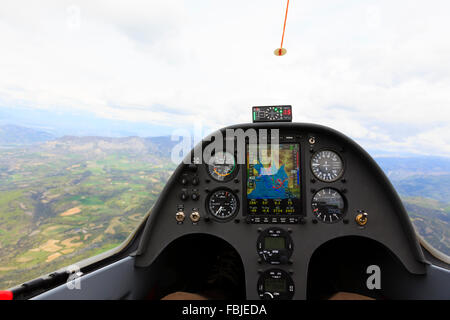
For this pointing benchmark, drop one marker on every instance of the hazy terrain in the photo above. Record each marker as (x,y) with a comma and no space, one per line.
(68,199)
(424,186)
(65,199)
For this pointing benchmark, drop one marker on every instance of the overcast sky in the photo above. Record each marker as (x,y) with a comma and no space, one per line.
(379,71)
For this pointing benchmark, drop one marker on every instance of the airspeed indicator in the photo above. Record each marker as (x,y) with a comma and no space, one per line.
(327,166)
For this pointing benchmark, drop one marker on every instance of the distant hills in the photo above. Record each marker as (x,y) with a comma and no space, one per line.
(17,135)
(426,177)
(95,146)
(397,168)
(12,135)
(423,183)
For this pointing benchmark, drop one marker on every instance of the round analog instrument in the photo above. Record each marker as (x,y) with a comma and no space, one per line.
(327,165)
(223,204)
(222,166)
(328,205)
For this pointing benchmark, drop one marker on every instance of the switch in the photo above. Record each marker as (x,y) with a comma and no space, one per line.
(195,181)
(179,216)
(195,216)
(184,196)
(361,218)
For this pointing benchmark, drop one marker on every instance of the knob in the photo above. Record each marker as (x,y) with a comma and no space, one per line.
(195,181)
(184,196)
(267,296)
(195,216)
(184,181)
(195,196)
(362,218)
(179,216)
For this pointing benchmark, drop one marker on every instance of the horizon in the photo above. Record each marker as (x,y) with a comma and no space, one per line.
(377,72)
(377,154)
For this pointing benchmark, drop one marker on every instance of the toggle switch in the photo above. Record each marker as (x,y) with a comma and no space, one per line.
(361,218)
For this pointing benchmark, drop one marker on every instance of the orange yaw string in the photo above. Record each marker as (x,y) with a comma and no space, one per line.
(284,26)
(281,51)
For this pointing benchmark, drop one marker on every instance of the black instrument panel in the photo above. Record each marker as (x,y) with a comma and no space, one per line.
(316,197)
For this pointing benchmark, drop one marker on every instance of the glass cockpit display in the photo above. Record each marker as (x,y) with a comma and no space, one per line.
(273,180)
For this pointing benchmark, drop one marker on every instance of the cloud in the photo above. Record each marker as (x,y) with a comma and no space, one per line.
(378,71)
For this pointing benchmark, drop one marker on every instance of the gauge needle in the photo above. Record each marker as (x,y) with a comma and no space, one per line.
(220,210)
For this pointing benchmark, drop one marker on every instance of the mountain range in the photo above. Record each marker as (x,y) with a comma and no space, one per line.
(17,135)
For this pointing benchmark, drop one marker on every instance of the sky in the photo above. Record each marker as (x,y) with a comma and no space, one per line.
(378,71)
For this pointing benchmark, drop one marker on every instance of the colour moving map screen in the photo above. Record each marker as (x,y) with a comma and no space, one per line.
(273,183)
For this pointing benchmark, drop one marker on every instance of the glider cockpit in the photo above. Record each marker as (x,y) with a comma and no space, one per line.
(304,210)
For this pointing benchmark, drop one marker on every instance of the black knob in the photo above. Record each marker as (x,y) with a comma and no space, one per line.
(184,196)
(184,181)
(195,196)
(267,296)
(195,181)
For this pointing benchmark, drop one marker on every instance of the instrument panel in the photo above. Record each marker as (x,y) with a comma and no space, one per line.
(276,186)
(277,208)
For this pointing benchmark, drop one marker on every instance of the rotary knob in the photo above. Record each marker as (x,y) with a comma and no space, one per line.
(195,196)
(361,218)
(267,296)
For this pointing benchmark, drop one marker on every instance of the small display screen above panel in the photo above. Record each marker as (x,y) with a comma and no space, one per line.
(273,180)
(272,114)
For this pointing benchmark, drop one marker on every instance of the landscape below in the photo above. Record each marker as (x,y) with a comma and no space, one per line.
(71,198)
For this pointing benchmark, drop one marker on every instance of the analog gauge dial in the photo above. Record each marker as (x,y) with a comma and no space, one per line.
(222,166)
(222,205)
(328,205)
(327,166)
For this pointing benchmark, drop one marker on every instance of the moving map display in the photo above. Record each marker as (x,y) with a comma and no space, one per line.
(273,180)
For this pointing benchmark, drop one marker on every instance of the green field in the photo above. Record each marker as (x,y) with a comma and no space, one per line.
(59,205)
(431,219)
